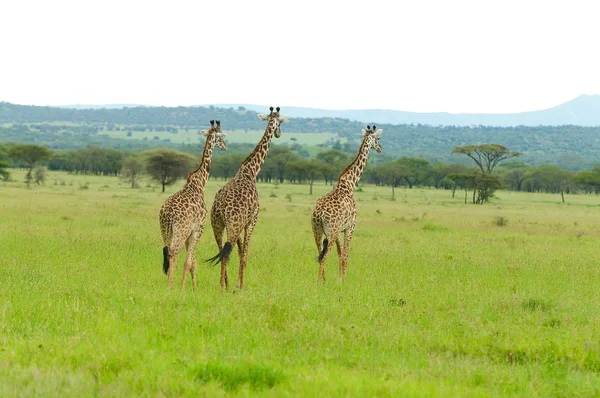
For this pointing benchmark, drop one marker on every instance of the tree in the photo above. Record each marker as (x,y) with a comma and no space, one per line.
(436,174)
(40,176)
(466,180)
(589,180)
(417,170)
(304,169)
(457,175)
(226,166)
(392,173)
(554,179)
(335,162)
(4,163)
(131,169)
(30,155)
(485,187)
(167,166)
(279,157)
(486,156)
(4,170)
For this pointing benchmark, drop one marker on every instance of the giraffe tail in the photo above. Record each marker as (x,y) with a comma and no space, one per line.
(322,254)
(166,259)
(222,255)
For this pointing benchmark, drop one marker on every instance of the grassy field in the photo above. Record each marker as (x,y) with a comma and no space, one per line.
(441,299)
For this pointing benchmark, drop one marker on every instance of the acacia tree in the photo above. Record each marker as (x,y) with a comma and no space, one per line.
(485,186)
(486,156)
(30,155)
(131,169)
(416,169)
(554,179)
(392,173)
(167,166)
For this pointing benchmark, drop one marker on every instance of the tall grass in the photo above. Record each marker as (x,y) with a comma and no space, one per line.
(438,301)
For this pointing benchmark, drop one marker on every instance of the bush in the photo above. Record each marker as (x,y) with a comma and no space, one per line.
(501,221)
(39,176)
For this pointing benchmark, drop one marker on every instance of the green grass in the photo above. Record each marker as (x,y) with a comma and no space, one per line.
(440,300)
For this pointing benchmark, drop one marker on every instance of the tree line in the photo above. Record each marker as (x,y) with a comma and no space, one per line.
(492,170)
(569,147)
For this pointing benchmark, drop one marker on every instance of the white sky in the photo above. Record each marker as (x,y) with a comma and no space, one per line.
(420,55)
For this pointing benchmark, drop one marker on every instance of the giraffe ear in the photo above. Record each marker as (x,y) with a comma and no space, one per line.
(263,117)
(205,133)
(283,119)
(364,132)
(220,134)
(378,133)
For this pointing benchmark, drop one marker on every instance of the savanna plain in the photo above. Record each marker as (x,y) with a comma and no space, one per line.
(442,298)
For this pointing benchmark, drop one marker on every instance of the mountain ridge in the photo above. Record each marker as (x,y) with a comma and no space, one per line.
(583,110)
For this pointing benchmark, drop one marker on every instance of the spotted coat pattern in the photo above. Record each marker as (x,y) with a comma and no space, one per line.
(335,212)
(236,205)
(183,215)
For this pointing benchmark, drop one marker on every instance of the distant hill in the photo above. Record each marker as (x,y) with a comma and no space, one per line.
(581,111)
(568,146)
(106,106)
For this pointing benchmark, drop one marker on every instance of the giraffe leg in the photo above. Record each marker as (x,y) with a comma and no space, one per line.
(240,244)
(190,261)
(347,238)
(244,251)
(218,226)
(176,246)
(325,255)
(318,234)
(338,246)
(233,234)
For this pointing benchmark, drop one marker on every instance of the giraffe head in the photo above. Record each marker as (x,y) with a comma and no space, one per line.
(275,121)
(216,135)
(372,137)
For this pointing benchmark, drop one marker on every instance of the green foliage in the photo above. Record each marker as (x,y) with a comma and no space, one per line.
(4,164)
(485,186)
(39,176)
(90,160)
(589,180)
(416,170)
(131,169)
(570,147)
(501,221)
(167,166)
(486,156)
(30,155)
(552,179)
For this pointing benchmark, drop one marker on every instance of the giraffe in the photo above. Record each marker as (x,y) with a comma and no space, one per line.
(336,211)
(183,215)
(236,206)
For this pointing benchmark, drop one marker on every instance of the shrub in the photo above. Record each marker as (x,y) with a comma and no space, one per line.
(501,221)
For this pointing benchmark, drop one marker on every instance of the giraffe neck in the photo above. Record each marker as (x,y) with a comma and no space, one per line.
(197,178)
(252,164)
(349,177)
